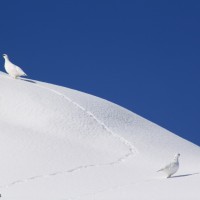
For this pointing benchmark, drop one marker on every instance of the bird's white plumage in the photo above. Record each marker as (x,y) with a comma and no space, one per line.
(13,70)
(172,167)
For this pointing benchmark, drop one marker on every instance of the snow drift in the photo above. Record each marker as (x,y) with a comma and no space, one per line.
(57,143)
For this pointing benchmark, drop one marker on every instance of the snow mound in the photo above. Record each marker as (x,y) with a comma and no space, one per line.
(58,143)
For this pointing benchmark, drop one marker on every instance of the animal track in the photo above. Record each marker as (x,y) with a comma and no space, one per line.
(132,150)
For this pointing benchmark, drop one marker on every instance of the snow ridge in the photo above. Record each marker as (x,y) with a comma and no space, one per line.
(44,171)
(132,150)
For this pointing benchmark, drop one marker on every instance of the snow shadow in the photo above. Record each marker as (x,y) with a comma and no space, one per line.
(184,175)
(27,80)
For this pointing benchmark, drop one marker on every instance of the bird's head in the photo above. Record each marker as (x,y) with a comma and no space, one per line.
(5,56)
(177,156)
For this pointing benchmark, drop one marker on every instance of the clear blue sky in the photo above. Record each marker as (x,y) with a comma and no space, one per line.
(142,55)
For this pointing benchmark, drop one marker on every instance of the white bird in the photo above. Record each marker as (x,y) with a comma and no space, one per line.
(12,69)
(171,168)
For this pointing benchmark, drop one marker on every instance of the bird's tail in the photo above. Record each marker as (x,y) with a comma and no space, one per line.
(159,170)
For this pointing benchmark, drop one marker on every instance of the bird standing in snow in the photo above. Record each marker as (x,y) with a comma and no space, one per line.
(171,168)
(13,70)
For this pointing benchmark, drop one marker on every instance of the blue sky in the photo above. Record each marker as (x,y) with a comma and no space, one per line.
(142,55)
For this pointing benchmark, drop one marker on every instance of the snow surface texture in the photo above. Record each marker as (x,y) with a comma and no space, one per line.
(61,144)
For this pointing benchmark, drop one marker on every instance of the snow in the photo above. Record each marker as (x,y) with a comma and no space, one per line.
(59,144)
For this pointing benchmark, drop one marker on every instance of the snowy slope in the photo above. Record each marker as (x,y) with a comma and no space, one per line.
(57,143)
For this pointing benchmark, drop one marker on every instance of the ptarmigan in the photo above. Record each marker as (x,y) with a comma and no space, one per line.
(13,70)
(171,168)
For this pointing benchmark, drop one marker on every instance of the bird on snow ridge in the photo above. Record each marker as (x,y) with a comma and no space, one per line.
(13,70)
(172,167)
